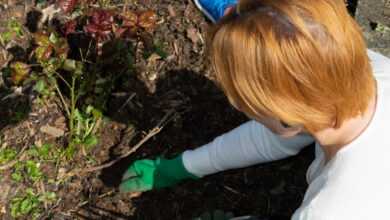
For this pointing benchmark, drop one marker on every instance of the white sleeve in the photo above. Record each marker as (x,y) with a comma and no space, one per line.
(249,144)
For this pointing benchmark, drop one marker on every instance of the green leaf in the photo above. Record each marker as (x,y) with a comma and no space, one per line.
(70,65)
(43,53)
(79,68)
(53,38)
(16,27)
(47,197)
(40,86)
(91,141)
(44,151)
(17,176)
(7,155)
(33,171)
(26,206)
(52,65)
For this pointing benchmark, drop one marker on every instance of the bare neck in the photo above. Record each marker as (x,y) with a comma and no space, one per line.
(332,140)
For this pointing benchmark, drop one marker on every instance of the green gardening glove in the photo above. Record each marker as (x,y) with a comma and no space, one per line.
(144,175)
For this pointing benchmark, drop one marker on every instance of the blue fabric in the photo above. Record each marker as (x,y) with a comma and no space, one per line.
(216,8)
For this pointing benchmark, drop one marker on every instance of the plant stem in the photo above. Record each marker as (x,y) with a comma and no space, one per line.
(66,107)
(62,78)
(73,100)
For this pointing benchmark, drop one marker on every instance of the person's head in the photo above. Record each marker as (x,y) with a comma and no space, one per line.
(300,62)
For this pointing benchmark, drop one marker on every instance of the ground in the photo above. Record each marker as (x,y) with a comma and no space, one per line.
(180,80)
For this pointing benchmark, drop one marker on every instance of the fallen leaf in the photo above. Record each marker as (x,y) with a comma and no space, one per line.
(48,14)
(171,11)
(153,58)
(193,34)
(52,131)
(60,122)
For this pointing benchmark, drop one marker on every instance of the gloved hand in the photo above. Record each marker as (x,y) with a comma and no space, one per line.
(144,175)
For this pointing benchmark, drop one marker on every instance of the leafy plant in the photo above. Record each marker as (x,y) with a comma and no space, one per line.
(43,89)
(19,72)
(27,170)
(33,171)
(51,53)
(29,203)
(17,174)
(14,30)
(100,25)
(134,22)
(45,152)
(49,45)
(85,124)
(7,154)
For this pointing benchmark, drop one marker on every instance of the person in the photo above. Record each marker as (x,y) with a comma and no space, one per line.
(301,71)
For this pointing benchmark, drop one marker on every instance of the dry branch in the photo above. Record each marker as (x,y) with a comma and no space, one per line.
(167,118)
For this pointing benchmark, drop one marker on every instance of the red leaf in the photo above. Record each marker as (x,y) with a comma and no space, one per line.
(43,53)
(67,5)
(100,25)
(70,27)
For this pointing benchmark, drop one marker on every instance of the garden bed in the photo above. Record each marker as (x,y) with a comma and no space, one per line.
(130,79)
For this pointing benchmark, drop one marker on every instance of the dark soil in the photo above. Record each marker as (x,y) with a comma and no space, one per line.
(181,81)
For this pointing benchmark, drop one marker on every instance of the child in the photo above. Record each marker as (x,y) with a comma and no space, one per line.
(301,71)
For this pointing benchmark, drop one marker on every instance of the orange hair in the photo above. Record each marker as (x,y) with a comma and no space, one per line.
(303,62)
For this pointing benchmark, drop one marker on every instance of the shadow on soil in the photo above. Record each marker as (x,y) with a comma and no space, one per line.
(14,106)
(203,113)
(271,190)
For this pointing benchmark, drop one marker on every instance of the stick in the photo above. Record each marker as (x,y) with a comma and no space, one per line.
(168,117)
(127,101)
(83,203)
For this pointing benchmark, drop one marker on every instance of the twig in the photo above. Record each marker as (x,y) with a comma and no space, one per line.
(62,78)
(42,188)
(127,101)
(83,203)
(62,100)
(167,118)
